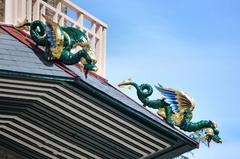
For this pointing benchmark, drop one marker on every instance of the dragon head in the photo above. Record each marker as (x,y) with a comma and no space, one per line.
(212,135)
(88,60)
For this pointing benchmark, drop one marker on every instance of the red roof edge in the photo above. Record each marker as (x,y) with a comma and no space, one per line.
(93,74)
(1,30)
(27,40)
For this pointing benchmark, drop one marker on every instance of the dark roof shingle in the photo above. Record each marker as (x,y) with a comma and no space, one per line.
(15,56)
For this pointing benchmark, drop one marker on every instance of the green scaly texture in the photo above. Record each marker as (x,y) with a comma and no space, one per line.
(38,31)
(144,91)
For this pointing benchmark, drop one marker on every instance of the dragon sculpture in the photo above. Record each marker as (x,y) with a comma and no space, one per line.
(176,107)
(59,42)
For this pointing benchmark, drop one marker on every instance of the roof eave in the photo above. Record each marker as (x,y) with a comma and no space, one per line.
(189,142)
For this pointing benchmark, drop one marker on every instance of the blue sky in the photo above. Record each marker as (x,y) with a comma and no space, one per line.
(188,45)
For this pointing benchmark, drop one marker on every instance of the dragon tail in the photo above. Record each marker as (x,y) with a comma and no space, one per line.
(37,30)
(143,90)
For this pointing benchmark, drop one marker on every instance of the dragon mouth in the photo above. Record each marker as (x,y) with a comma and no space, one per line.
(220,142)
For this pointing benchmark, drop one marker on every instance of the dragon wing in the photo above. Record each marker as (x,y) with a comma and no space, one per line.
(178,100)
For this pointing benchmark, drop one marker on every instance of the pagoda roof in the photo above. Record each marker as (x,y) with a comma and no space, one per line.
(20,57)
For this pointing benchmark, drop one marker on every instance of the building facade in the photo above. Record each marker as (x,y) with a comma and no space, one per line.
(51,110)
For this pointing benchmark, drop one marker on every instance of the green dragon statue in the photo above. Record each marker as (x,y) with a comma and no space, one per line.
(176,107)
(59,42)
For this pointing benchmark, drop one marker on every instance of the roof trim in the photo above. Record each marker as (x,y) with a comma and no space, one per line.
(7,73)
(26,39)
(76,81)
(170,152)
(185,143)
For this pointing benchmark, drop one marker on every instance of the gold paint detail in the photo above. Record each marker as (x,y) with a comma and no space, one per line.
(209,131)
(68,37)
(83,61)
(161,112)
(184,102)
(20,26)
(176,117)
(81,68)
(59,38)
(92,55)
(57,51)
